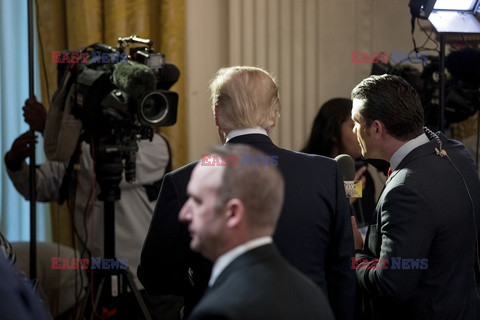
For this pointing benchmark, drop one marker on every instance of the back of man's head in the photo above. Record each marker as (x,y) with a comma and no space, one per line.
(393,101)
(244,97)
(257,182)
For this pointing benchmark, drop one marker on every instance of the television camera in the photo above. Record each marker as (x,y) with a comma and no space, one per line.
(110,99)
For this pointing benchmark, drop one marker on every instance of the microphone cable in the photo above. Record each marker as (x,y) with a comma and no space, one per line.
(442,153)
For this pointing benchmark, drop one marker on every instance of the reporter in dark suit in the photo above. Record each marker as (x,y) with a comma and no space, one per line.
(231,214)
(428,216)
(314,231)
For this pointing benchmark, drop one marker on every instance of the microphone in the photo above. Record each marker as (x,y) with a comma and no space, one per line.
(346,165)
(134,78)
(167,76)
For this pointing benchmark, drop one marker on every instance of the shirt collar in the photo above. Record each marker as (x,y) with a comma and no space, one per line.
(402,152)
(225,259)
(240,132)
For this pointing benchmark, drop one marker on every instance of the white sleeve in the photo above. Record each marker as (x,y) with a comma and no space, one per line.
(49,177)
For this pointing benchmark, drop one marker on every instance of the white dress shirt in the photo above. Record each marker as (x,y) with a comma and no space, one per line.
(402,152)
(240,132)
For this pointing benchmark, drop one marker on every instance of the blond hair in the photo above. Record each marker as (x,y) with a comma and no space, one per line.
(244,97)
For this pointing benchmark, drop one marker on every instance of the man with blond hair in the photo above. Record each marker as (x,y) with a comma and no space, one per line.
(313,233)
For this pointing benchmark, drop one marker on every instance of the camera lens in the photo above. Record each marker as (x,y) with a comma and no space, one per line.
(154,107)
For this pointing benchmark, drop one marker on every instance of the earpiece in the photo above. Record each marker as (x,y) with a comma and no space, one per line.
(442,153)
(431,135)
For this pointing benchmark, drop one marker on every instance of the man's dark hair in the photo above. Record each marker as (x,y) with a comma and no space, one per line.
(393,101)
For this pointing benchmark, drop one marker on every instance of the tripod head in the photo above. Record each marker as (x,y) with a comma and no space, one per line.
(111,157)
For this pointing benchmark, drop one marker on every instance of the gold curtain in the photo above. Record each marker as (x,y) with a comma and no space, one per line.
(73,24)
(466,128)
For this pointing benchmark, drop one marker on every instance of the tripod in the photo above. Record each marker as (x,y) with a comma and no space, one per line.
(111,286)
(111,282)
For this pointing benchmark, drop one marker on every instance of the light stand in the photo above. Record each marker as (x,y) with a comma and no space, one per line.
(32,166)
(441,89)
(452,18)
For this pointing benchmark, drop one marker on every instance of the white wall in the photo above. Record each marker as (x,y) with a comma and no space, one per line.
(306,44)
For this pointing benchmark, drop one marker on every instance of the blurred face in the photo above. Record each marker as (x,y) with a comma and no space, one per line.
(349,139)
(360,129)
(206,226)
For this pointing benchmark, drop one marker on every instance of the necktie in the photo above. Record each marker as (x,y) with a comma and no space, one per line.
(389,172)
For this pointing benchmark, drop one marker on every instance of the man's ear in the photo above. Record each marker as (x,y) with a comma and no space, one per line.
(377,129)
(221,135)
(235,213)
(216,116)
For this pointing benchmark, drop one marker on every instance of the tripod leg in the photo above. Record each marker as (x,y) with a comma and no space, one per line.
(88,301)
(81,311)
(97,297)
(137,295)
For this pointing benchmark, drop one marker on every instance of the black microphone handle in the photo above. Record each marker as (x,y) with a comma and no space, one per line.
(360,217)
(358,214)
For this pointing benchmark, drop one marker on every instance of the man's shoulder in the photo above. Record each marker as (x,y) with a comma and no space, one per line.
(265,144)
(267,266)
(252,283)
(186,170)
(306,157)
(176,181)
(307,167)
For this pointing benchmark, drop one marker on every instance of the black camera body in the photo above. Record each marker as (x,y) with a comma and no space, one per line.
(143,79)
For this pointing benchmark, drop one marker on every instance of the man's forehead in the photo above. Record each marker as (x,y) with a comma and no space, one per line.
(357,104)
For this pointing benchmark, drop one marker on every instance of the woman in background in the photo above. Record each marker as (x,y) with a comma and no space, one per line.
(332,135)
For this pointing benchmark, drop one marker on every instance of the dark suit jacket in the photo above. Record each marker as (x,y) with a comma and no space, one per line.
(17,298)
(425,212)
(260,284)
(313,233)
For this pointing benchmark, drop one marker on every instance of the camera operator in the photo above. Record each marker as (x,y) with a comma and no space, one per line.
(133,211)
